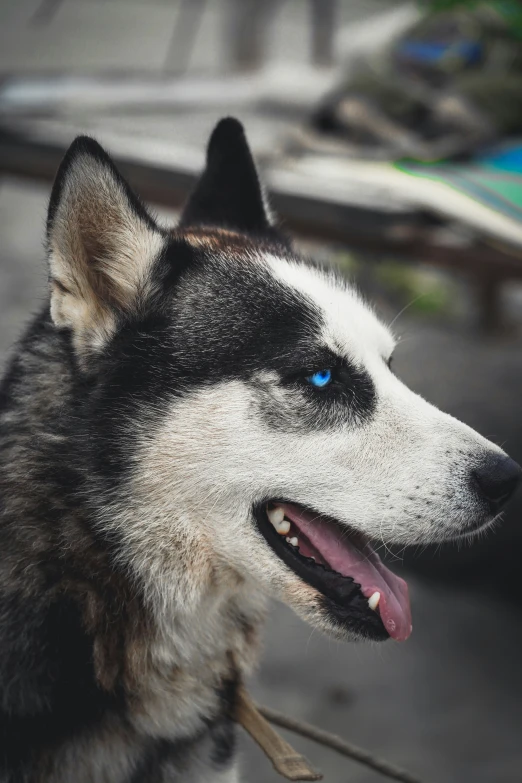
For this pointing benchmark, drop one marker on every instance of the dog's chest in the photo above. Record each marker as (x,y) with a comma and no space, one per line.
(175,700)
(187,672)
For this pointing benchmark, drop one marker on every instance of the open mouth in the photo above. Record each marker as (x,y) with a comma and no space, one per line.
(341,564)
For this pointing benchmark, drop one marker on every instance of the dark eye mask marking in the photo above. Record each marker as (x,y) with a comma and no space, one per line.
(347,393)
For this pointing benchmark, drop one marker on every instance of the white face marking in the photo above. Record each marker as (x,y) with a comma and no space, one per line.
(401,476)
(351,328)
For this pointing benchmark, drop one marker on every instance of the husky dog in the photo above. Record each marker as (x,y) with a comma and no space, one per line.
(197,420)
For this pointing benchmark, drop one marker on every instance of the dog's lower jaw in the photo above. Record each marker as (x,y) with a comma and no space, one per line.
(329,617)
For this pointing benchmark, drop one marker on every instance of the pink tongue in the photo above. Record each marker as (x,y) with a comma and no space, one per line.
(356,559)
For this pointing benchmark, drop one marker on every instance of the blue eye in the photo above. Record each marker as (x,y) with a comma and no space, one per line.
(320,379)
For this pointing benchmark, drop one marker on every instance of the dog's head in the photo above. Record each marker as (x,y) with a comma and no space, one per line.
(244,414)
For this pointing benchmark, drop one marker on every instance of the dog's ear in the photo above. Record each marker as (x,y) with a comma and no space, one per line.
(229,193)
(101,244)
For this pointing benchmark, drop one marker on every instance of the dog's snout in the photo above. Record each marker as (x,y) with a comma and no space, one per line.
(497,478)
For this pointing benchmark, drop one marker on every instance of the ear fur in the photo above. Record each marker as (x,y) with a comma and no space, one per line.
(101,244)
(229,194)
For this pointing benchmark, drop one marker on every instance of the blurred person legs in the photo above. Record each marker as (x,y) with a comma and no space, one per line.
(248,27)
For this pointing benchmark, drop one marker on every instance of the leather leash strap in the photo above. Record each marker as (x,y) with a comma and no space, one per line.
(287,761)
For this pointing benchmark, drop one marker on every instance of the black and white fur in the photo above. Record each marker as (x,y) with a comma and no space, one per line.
(156,402)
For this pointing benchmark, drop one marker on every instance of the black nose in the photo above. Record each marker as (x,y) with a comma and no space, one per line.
(497,478)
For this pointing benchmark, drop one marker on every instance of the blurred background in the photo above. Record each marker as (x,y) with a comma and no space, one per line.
(390,137)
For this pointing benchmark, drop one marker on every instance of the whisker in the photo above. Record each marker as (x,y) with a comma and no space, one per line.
(406,307)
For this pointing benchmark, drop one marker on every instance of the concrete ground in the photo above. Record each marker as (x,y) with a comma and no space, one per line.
(447,703)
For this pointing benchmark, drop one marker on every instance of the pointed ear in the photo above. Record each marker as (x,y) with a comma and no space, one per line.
(102,244)
(228,193)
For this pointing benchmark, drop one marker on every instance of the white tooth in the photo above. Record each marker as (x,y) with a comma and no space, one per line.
(293,541)
(373,601)
(283,527)
(275,515)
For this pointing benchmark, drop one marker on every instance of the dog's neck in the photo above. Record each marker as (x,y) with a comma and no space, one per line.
(194,653)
